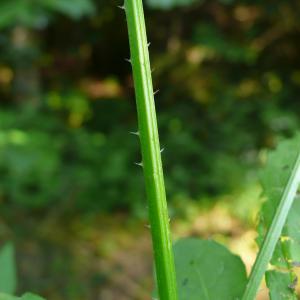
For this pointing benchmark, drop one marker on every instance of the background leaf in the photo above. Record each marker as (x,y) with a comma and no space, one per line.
(287,252)
(281,285)
(207,270)
(8,280)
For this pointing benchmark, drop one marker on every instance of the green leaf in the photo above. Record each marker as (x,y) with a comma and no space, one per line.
(279,237)
(167,4)
(281,285)
(8,278)
(274,179)
(207,270)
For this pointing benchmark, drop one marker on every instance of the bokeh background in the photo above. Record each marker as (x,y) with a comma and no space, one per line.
(71,198)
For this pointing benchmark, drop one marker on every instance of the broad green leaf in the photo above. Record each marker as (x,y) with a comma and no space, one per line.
(8,280)
(274,179)
(167,4)
(281,285)
(207,270)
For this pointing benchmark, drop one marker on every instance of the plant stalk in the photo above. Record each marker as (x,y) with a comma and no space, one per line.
(266,252)
(151,152)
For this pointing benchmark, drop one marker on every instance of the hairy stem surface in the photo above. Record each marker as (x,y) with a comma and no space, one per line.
(151,153)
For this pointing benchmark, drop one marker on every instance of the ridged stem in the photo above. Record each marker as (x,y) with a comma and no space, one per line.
(151,153)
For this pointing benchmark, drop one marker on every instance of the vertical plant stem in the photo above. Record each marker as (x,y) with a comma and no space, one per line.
(273,234)
(151,153)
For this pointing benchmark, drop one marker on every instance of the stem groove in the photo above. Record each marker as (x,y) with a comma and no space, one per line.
(152,165)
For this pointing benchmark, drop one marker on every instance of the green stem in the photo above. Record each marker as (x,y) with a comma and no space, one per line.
(151,153)
(273,234)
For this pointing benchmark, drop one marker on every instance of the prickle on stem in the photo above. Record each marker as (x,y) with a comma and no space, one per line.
(122,6)
(137,133)
(139,164)
(155,92)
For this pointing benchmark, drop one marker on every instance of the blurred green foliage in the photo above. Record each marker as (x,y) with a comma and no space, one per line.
(229,79)
(36,13)
(167,4)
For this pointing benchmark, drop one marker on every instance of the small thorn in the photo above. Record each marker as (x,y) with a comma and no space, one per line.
(122,7)
(149,44)
(155,92)
(148,226)
(128,60)
(135,133)
(162,150)
(152,70)
(139,164)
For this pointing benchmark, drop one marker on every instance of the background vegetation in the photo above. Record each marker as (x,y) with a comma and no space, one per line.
(71,199)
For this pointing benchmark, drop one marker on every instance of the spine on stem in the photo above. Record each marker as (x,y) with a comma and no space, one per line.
(151,152)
